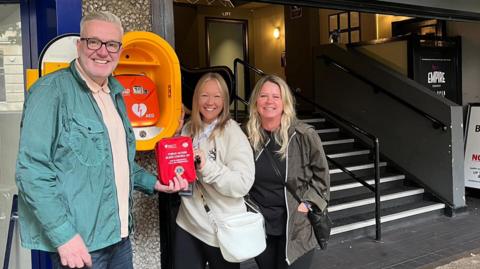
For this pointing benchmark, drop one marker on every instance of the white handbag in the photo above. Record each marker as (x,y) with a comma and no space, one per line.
(240,236)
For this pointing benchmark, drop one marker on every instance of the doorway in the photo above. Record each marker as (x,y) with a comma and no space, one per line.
(226,41)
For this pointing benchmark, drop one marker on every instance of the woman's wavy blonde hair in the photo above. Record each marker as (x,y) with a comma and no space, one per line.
(255,132)
(196,124)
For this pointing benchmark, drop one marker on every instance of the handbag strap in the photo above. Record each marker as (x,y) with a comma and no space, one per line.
(250,204)
(277,172)
(207,208)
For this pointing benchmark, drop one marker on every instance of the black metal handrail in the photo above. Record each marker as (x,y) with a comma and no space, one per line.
(236,62)
(435,122)
(375,141)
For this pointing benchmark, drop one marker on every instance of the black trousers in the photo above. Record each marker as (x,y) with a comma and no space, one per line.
(191,253)
(274,256)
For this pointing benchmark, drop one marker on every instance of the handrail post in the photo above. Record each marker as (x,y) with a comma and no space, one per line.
(377,190)
(11,227)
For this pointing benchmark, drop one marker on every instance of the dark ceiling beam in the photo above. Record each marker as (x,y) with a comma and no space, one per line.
(238,3)
(385,7)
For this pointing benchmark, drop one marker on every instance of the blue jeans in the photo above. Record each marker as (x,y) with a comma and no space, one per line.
(116,256)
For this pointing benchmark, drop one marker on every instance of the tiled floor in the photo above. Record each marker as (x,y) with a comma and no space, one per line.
(424,242)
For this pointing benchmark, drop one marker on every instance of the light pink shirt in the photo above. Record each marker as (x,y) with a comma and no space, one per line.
(118,143)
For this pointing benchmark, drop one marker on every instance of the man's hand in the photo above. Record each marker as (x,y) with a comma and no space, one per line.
(74,253)
(176,184)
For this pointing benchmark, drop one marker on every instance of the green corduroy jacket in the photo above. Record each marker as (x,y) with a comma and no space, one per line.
(64,170)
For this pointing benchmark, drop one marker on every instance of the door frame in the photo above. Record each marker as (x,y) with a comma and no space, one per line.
(244,24)
(246,72)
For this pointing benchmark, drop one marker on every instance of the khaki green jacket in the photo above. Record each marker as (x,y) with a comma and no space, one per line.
(307,171)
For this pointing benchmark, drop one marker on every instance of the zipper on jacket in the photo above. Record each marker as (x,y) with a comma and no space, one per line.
(131,219)
(286,200)
(100,116)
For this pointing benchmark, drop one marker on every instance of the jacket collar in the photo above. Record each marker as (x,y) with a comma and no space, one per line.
(297,126)
(113,84)
(92,85)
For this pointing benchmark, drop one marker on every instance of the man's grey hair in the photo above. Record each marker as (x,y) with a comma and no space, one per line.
(100,16)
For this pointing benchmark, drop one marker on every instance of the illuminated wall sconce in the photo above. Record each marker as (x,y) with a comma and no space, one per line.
(276,33)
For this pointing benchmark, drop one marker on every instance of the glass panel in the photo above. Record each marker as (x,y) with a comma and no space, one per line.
(344,38)
(343,20)
(355,36)
(354,19)
(332,22)
(11,67)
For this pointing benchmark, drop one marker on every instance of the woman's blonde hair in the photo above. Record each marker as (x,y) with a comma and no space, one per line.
(255,132)
(196,125)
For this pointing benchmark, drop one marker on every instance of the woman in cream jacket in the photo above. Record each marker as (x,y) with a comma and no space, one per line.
(225,174)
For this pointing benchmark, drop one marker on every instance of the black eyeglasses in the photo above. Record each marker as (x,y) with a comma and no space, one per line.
(95,44)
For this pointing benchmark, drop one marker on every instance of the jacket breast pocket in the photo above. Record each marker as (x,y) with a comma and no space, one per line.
(88,140)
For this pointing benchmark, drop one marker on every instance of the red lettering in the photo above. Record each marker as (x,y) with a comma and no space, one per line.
(476,157)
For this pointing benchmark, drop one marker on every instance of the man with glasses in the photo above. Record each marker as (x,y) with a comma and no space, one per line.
(75,168)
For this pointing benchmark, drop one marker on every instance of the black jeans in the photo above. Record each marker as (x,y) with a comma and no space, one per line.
(274,256)
(191,253)
(116,256)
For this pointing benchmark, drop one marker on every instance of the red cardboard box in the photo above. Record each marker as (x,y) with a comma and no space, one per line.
(175,156)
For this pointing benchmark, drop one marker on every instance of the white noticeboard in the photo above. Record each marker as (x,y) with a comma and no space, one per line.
(472,149)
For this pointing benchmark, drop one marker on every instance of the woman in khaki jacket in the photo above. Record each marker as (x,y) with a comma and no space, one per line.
(286,151)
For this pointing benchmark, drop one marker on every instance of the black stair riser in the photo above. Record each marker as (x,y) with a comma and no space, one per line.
(369,231)
(362,158)
(361,190)
(332,136)
(363,173)
(341,147)
(339,217)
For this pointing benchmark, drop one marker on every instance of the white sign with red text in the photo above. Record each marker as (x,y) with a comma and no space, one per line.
(472,149)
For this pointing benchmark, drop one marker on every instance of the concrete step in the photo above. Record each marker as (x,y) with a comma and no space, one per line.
(354,184)
(388,215)
(314,120)
(345,208)
(357,167)
(352,153)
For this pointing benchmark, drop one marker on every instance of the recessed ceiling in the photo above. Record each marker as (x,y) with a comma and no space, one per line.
(225,3)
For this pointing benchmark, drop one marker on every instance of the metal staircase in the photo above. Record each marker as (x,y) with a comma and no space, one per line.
(352,206)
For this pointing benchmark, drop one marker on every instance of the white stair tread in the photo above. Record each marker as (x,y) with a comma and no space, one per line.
(400,215)
(369,201)
(349,153)
(340,141)
(369,181)
(357,167)
(313,120)
(329,130)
